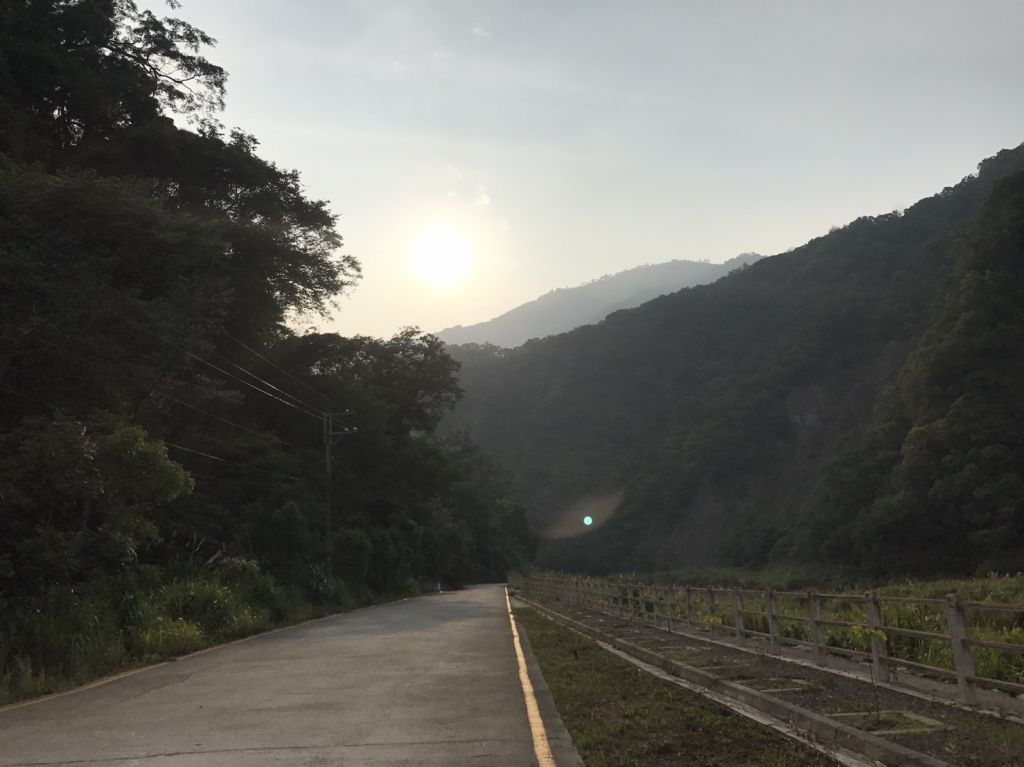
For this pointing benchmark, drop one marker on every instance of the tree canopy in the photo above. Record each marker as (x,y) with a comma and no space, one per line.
(159,417)
(728,415)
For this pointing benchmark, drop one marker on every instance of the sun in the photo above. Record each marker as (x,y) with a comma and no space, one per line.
(441,256)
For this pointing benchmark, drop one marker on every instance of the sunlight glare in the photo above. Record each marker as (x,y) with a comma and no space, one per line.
(441,256)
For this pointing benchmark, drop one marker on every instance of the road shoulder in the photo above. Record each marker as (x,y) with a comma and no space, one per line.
(562,747)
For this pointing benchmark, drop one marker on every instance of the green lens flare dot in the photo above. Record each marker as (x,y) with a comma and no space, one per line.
(588,521)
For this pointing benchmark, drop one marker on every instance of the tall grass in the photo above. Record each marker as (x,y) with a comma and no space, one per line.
(67,636)
(983,624)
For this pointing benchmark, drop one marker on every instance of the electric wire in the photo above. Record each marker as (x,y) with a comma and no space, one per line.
(30,399)
(277,367)
(310,410)
(171,444)
(232,480)
(236,425)
(233,463)
(267,383)
(317,416)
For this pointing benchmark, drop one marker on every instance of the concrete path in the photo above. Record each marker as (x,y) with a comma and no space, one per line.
(426,681)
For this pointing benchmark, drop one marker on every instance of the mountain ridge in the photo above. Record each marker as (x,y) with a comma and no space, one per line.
(720,411)
(564,309)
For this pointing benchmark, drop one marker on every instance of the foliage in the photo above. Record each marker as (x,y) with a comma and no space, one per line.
(845,604)
(938,482)
(733,416)
(161,423)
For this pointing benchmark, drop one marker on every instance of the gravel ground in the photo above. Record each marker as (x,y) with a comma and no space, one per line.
(966,738)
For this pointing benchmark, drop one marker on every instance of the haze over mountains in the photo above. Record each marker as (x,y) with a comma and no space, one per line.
(855,401)
(563,309)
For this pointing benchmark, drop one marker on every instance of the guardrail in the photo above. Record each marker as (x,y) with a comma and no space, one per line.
(773,616)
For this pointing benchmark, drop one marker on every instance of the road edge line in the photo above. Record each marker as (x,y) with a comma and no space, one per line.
(820,726)
(541,745)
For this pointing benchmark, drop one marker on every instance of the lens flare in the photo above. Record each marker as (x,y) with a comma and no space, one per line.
(594,511)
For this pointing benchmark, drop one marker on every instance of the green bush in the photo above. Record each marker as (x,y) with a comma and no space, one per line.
(165,638)
(66,637)
(221,611)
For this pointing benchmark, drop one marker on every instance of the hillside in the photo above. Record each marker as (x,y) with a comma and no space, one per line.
(725,423)
(567,308)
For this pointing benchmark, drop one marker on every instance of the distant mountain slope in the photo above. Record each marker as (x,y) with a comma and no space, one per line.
(729,423)
(567,308)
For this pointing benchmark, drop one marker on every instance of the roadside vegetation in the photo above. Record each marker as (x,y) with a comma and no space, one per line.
(75,634)
(162,420)
(988,625)
(621,716)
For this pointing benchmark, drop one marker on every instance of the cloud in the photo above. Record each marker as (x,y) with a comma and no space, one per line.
(482,198)
(478,30)
(398,67)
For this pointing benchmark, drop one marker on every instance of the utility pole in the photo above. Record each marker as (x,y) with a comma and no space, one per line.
(332,436)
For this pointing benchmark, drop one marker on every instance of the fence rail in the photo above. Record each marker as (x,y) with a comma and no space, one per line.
(754,613)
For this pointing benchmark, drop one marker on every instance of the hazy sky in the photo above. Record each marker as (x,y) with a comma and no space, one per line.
(567,140)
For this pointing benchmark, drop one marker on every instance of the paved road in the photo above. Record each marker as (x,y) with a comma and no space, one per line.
(426,681)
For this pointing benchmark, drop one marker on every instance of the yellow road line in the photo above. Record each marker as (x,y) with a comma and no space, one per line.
(541,747)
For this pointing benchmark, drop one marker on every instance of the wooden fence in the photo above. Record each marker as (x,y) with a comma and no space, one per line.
(770,614)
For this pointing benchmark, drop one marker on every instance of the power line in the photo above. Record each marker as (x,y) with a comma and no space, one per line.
(233,481)
(277,367)
(233,463)
(236,425)
(312,410)
(169,443)
(311,414)
(30,399)
(267,383)
(109,358)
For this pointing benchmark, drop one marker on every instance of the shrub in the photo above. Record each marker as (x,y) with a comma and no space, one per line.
(165,638)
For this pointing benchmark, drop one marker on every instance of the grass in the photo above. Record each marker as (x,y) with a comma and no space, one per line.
(621,716)
(69,636)
(990,625)
(881,721)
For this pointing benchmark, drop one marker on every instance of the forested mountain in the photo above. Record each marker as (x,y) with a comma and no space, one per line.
(567,308)
(161,427)
(854,401)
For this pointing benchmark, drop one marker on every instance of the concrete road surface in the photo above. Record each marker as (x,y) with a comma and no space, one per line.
(426,681)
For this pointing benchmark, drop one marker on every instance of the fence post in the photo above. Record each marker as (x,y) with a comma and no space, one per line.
(689,606)
(712,609)
(738,608)
(879,655)
(820,654)
(773,622)
(963,658)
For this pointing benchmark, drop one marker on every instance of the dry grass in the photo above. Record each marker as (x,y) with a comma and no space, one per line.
(620,715)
